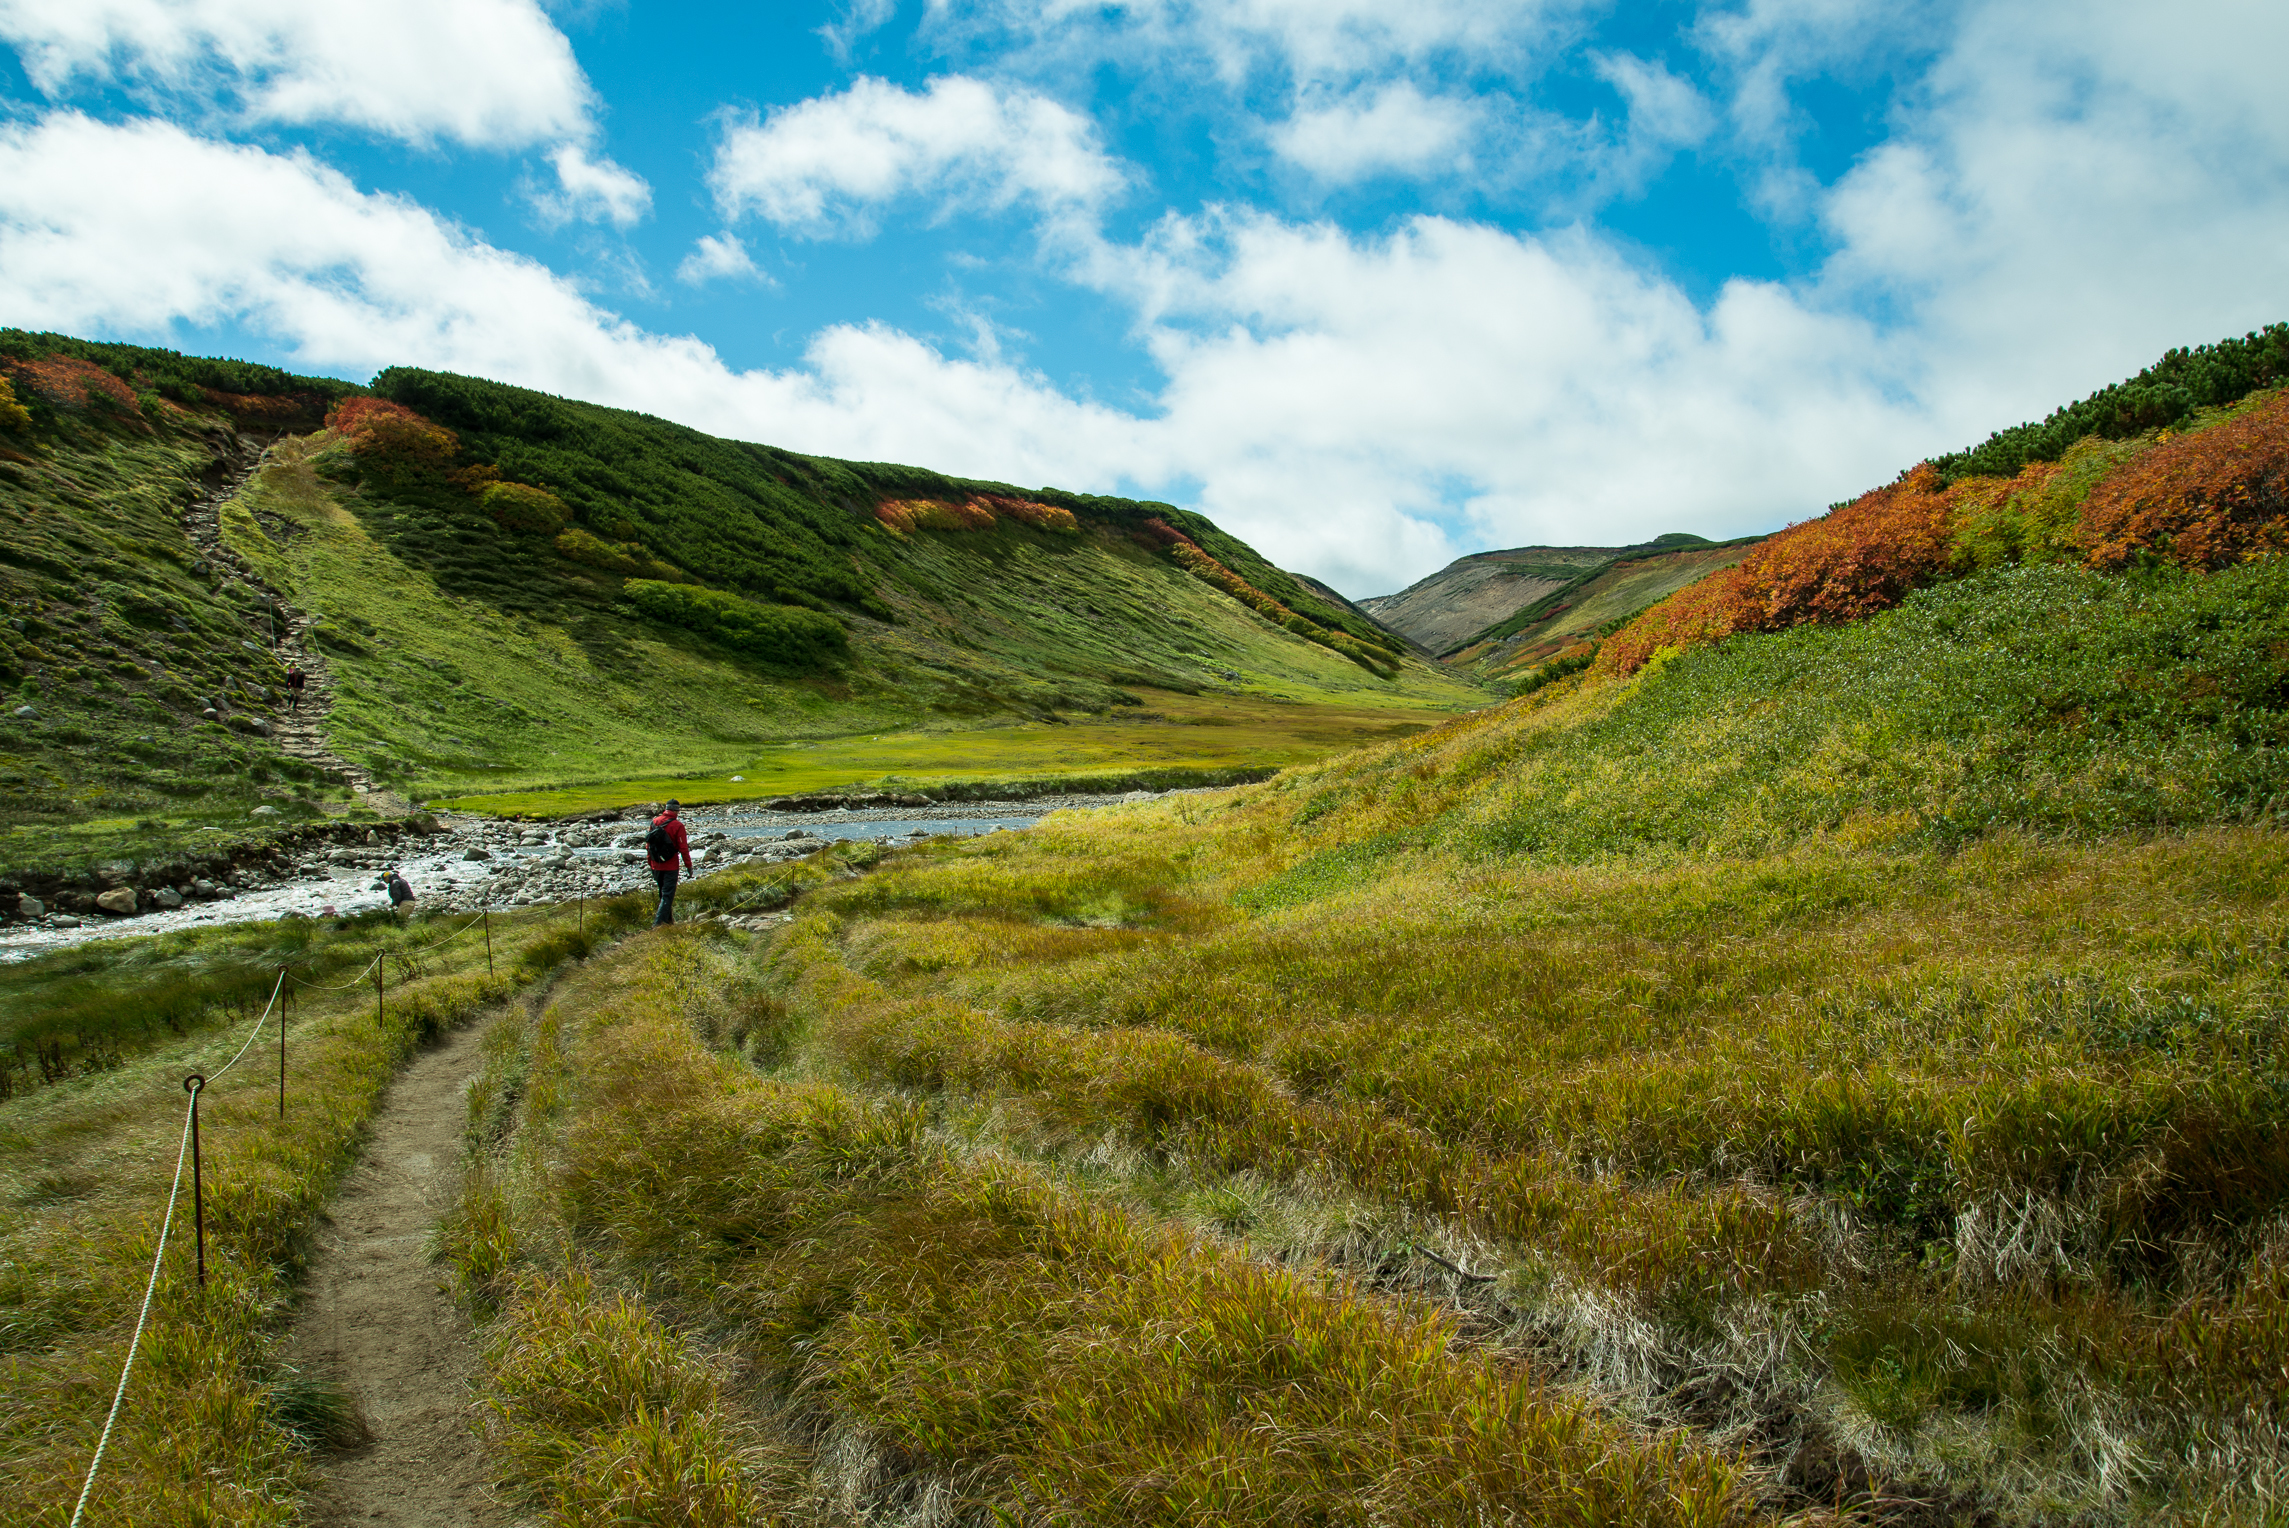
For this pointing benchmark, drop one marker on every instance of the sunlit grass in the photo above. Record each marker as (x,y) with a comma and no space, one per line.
(209,1432)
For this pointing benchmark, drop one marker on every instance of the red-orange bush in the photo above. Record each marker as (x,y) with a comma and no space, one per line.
(2218,496)
(390,435)
(1694,616)
(934,515)
(66,382)
(1851,562)
(1855,560)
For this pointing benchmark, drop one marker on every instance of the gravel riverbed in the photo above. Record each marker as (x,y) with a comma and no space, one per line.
(475,861)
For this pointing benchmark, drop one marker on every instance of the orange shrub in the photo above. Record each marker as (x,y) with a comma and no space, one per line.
(66,382)
(1851,562)
(2218,496)
(1694,616)
(1042,517)
(934,515)
(392,436)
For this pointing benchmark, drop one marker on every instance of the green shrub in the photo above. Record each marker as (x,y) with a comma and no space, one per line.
(521,507)
(783,634)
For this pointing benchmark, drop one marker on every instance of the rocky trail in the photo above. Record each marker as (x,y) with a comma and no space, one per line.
(300,731)
(377,1321)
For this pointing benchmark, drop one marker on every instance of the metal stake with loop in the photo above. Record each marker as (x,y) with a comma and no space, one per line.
(193,1085)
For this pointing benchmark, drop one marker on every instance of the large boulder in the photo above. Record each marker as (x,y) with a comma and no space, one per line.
(119,901)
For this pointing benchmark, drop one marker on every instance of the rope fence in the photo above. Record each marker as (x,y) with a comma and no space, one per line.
(188,1150)
(195,1084)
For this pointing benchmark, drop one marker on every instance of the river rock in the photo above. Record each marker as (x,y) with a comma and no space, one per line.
(27,713)
(168,897)
(29,906)
(65,920)
(474,853)
(264,811)
(119,901)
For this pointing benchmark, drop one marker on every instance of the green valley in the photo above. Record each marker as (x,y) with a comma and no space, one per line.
(1816,1054)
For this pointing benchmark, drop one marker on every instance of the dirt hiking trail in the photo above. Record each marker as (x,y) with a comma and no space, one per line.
(375,1320)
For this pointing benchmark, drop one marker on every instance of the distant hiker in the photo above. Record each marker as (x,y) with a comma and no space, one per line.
(663,846)
(295,679)
(399,892)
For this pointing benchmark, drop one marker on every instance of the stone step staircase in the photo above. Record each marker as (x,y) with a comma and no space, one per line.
(299,732)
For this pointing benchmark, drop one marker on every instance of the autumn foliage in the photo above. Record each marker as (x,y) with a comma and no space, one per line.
(979,512)
(2203,500)
(2213,496)
(68,383)
(391,436)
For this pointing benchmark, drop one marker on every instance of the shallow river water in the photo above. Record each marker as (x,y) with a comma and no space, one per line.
(442,877)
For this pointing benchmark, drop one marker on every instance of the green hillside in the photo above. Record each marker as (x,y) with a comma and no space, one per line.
(512,592)
(1594,600)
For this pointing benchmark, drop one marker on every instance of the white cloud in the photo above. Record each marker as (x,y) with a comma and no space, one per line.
(493,73)
(718,256)
(1394,128)
(593,191)
(827,163)
(1306,42)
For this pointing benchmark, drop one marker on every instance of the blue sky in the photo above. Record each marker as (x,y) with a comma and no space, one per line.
(1373,283)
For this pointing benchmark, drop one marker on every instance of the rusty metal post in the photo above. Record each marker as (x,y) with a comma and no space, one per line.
(488,915)
(194,1085)
(377,994)
(285,1001)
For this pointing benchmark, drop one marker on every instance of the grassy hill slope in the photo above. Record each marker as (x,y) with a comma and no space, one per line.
(1472,593)
(574,594)
(1862,1048)
(1592,602)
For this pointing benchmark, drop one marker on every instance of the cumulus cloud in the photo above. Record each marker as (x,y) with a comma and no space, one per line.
(1394,128)
(492,73)
(718,257)
(593,191)
(828,163)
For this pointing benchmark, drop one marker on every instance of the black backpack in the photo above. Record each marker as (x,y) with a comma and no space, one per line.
(660,847)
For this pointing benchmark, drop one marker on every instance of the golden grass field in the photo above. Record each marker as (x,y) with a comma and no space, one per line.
(1801,1083)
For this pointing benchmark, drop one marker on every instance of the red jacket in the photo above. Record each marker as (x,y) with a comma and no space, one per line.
(675,830)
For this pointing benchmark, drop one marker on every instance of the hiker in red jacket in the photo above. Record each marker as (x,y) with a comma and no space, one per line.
(662,846)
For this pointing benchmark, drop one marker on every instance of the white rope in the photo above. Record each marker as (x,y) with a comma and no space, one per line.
(137,1340)
(276,987)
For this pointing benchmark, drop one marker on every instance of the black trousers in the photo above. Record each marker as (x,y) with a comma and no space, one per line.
(667,880)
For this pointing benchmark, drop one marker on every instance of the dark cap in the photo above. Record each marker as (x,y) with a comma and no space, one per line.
(673,805)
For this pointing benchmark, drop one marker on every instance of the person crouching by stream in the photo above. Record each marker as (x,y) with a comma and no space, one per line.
(662,846)
(400,890)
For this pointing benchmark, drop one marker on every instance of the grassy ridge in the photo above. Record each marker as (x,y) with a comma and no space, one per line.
(445,696)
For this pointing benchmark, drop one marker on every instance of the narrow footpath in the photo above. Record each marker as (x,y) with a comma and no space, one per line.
(376,1320)
(301,732)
